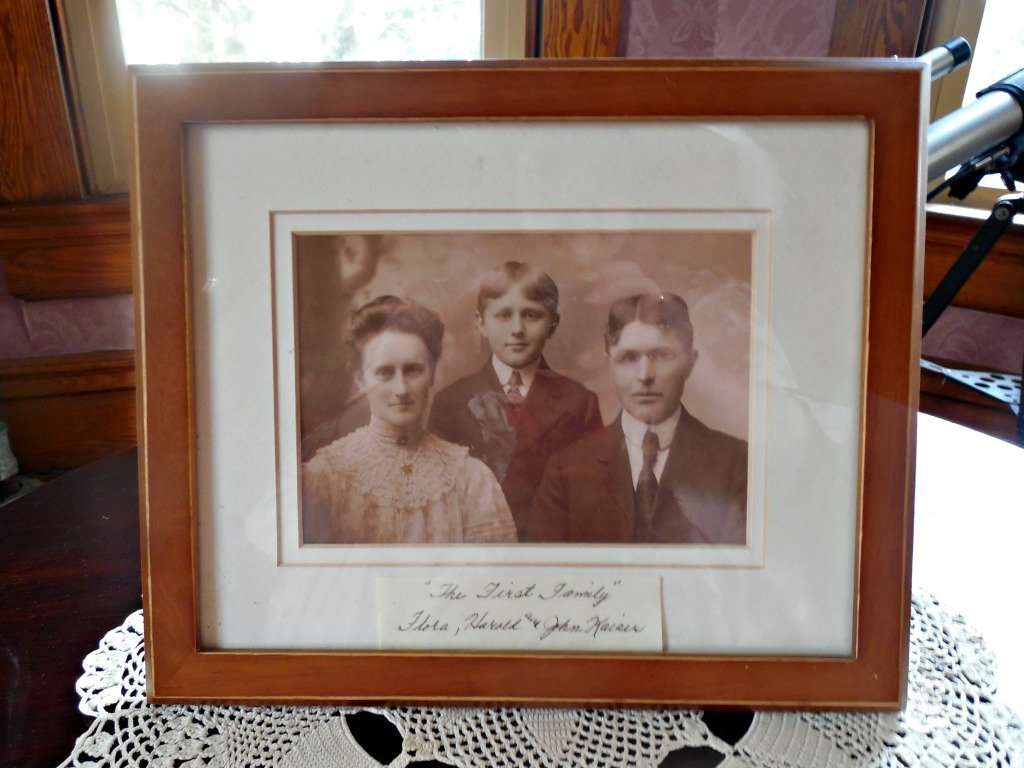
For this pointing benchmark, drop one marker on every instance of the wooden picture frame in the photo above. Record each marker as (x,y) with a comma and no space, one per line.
(881,101)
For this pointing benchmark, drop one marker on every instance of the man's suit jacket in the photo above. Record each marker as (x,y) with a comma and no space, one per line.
(587,492)
(557,411)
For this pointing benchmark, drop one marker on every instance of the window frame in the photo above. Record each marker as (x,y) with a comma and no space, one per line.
(99,87)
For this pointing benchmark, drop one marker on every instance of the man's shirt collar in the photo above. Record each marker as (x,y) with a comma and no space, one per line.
(634,429)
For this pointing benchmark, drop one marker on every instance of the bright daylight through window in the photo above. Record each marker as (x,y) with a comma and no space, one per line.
(999,52)
(176,31)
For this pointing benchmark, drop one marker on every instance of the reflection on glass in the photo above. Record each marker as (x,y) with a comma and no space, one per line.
(175,31)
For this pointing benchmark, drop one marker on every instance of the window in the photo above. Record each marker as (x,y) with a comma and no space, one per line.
(1000,48)
(101,36)
(174,31)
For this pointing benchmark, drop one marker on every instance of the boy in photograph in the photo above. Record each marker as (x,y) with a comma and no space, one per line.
(515,411)
(656,474)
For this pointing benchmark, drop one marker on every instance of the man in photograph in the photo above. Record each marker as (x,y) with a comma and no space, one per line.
(656,474)
(515,411)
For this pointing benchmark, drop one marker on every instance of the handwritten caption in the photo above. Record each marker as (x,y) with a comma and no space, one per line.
(575,612)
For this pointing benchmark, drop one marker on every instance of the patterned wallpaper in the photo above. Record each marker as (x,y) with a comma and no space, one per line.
(727,28)
(63,327)
(992,341)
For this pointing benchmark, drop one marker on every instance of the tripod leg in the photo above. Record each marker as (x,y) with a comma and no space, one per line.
(975,252)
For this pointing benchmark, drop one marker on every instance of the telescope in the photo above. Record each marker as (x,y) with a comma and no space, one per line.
(984,137)
(973,131)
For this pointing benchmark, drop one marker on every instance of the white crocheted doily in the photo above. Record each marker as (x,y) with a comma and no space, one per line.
(951,719)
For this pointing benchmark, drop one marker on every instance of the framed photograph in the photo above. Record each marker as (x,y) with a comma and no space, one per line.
(535,383)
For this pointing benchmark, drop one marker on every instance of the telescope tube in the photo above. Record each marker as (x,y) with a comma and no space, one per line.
(965,134)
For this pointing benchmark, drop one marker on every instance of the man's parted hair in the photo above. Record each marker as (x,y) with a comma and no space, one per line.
(537,285)
(390,313)
(664,310)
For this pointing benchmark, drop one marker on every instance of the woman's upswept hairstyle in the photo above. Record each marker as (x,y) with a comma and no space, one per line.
(537,285)
(664,310)
(390,313)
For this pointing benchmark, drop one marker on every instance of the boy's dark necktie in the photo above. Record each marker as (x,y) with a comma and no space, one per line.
(515,398)
(647,488)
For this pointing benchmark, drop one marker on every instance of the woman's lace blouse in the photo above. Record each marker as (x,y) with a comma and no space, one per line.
(375,486)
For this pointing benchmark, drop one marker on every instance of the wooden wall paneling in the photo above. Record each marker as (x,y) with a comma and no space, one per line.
(878,28)
(949,406)
(62,412)
(65,250)
(580,28)
(63,432)
(37,150)
(998,284)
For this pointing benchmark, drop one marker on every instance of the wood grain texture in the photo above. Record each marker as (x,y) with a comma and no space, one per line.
(69,559)
(998,284)
(890,95)
(37,154)
(580,28)
(66,375)
(877,28)
(943,399)
(64,412)
(66,250)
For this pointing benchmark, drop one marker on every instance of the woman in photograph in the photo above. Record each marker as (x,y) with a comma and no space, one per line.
(391,482)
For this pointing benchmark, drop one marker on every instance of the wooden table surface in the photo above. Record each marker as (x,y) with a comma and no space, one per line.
(69,572)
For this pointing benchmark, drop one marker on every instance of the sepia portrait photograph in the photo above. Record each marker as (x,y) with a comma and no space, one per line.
(523,387)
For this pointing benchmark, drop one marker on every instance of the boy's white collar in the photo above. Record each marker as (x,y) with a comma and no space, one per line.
(504,372)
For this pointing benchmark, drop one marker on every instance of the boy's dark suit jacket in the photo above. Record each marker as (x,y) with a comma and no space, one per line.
(587,491)
(557,411)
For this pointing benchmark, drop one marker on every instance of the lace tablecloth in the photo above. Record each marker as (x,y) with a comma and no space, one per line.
(951,719)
